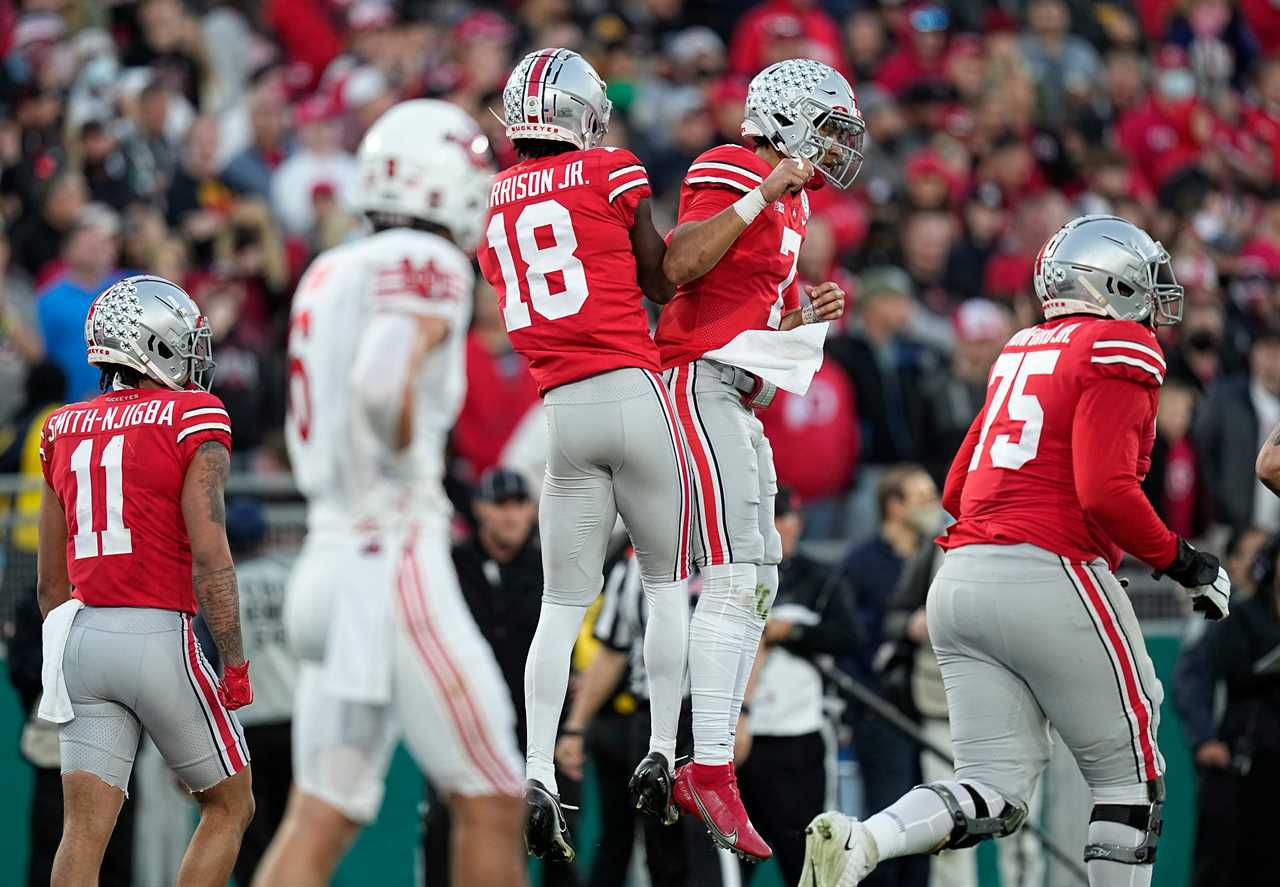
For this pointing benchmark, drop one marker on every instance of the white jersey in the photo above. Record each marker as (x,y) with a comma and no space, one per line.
(347,474)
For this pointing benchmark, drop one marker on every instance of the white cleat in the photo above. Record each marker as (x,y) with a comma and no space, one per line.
(838,852)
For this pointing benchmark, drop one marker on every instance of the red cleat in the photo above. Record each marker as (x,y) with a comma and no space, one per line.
(711,794)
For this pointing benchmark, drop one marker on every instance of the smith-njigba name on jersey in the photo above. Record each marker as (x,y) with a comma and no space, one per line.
(94,419)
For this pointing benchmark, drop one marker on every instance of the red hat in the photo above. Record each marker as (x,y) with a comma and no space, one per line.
(316,109)
(980,320)
(727,90)
(483,26)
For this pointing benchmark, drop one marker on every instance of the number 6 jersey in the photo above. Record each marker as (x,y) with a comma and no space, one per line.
(117,464)
(1059,449)
(557,250)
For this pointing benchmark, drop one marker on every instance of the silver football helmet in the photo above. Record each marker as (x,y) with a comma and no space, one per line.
(555,94)
(806,110)
(1104,265)
(151,325)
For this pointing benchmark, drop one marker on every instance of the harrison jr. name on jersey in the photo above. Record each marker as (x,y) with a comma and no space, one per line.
(535,183)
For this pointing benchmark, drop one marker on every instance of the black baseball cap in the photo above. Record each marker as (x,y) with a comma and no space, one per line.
(500,484)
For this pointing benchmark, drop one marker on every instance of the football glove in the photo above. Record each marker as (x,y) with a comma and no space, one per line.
(234,690)
(1204,577)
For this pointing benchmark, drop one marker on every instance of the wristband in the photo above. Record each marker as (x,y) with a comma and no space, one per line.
(750,205)
(746,710)
(808,315)
(567,731)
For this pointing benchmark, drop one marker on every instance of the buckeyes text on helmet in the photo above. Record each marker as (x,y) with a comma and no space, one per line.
(426,161)
(1104,265)
(555,95)
(807,111)
(151,326)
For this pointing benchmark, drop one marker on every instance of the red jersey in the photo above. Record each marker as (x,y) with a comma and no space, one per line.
(1056,455)
(117,464)
(557,250)
(754,283)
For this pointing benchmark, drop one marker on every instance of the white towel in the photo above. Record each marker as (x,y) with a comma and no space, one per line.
(787,359)
(359,649)
(55,703)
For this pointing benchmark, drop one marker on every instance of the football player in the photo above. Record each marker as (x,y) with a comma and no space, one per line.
(571,250)
(743,214)
(1030,625)
(133,539)
(389,648)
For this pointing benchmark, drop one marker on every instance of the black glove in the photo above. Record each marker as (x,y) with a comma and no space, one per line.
(1191,567)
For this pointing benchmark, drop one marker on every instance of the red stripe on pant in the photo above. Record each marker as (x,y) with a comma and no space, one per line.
(220,718)
(702,462)
(677,441)
(1128,669)
(467,724)
(535,83)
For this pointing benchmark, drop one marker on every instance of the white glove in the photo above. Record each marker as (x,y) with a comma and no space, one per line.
(1212,600)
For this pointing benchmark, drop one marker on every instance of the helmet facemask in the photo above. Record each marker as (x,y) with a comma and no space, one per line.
(833,143)
(1166,292)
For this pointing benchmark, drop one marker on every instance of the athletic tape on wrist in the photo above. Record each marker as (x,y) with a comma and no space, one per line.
(807,314)
(750,205)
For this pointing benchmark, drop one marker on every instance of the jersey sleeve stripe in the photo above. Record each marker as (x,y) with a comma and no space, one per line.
(635,167)
(206,411)
(1132,346)
(728,167)
(204,426)
(1131,361)
(716,180)
(627,187)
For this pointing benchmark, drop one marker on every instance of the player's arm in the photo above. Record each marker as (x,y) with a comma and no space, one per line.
(1268,464)
(213,572)
(53,586)
(953,487)
(826,302)
(650,250)
(392,351)
(696,246)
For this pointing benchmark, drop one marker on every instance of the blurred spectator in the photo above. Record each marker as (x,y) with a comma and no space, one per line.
(926,243)
(1167,132)
(910,512)
(784,29)
(1218,42)
(921,54)
(1244,653)
(250,171)
(1237,414)
(1065,68)
(151,155)
(500,390)
(105,167)
(319,166)
(1175,484)
(90,253)
(951,400)
(781,757)
(20,345)
(261,576)
(196,187)
(984,219)
(171,45)
(36,239)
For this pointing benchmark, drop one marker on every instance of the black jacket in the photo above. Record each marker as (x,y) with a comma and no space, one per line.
(1251,722)
(816,587)
(1226,436)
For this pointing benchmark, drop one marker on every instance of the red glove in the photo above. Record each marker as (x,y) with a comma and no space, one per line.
(234,690)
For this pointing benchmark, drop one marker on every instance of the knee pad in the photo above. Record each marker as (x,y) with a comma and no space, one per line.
(766,588)
(1146,818)
(732,584)
(970,830)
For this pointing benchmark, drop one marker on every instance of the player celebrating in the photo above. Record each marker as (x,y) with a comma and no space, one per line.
(570,249)
(376,375)
(1030,625)
(743,214)
(132,536)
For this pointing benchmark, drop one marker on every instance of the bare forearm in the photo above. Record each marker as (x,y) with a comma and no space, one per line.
(696,247)
(1268,464)
(219,599)
(51,595)
(598,684)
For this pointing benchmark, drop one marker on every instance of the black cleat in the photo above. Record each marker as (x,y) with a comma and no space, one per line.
(546,834)
(650,788)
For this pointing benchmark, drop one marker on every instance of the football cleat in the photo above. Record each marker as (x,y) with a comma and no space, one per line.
(838,852)
(546,834)
(651,787)
(716,802)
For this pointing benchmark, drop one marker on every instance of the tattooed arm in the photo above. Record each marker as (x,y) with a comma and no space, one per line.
(213,572)
(1268,464)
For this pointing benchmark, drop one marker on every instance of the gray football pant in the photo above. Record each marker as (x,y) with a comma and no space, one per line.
(614,448)
(1025,639)
(133,668)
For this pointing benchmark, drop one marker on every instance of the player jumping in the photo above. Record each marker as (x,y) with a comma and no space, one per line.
(376,350)
(1030,624)
(132,537)
(571,250)
(743,214)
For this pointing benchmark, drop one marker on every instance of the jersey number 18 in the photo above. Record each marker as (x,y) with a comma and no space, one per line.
(540,261)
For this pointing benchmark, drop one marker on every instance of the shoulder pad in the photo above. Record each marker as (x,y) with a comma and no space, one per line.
(727,166)
(609,158)
(1122,349)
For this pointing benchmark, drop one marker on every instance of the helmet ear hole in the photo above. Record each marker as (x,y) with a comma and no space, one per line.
(164,350)
(1124,289)
(782,119)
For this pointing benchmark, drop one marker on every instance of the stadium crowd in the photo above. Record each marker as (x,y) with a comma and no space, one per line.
(212,143)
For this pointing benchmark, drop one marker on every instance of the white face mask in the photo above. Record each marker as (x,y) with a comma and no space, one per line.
(1177,85)
(926,519)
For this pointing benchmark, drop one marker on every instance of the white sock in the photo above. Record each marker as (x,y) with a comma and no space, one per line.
(546,680)
(766,591)
(919,821)
(717,632)
(666,644)
(1105,873)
